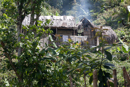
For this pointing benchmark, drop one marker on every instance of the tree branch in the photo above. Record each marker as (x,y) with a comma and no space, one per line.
(10,60)
(32,13)
(24,11)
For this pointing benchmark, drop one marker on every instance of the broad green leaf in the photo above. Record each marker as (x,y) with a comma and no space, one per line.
(129,14)
(107,48)
(80,66)
(52,41)
(125,48)
(118,49)
(109,64)
(114,13)
(26,37)
(42,51)
(107,67)
(108,55)
(111,84)
(122,0)
(93,66)
(51,38)
(101,84)
(119,22)
(90,80)
(57,14)
(100,74)
(106,74)
(88,56)
(70,71)
(87,69)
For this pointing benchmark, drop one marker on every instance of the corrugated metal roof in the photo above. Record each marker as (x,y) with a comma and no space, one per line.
(55,21)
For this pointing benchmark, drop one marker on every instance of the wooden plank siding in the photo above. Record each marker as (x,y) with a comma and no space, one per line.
(92,40)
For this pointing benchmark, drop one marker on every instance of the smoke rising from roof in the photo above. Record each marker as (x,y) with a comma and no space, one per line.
(80,9)
(76,8)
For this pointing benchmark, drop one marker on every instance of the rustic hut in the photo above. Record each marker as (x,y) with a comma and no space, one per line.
(90,30)
(66,27)
(63,26)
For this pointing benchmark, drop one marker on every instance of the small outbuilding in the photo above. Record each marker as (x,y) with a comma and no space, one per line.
(92,31)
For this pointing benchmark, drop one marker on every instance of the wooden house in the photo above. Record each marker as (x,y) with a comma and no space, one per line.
(92,31)
(65,27)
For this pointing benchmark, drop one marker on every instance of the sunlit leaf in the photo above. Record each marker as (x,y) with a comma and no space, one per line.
(118,49)
(125,48)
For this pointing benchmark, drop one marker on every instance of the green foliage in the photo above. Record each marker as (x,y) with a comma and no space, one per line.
(51,66)
(47,9)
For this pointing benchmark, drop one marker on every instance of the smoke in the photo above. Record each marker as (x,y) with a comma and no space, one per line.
(85,8)
(76,8)
(81,9)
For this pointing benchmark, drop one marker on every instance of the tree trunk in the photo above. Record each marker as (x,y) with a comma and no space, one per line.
(71,83)
(19,30)
(19,24)
(95,78)
(85,80)
(32,13)
(115,78)
(32,18)
(126,78)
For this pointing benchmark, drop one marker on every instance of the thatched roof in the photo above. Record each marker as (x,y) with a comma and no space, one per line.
(108,33)
(55,21)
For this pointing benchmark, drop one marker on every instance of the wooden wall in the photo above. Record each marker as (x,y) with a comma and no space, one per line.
(64,32)
(92,40)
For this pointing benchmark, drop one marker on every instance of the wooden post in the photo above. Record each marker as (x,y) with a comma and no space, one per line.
(74,32)
(124,74)
(85,80)
(115,78)
(56,38)
(97,41)
(126,78)
(108,85)
(74,84)
(95,78)
(71,83)
(56,30)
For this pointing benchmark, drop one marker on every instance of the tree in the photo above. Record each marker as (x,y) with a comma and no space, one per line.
(27,44)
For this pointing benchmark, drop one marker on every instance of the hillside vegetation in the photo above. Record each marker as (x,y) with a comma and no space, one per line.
(23,63)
